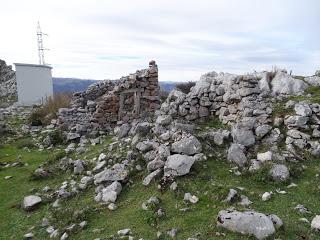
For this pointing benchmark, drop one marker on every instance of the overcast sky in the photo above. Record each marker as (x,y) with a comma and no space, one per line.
(187,38)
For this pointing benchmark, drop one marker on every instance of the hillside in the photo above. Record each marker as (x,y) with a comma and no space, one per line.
(235,158)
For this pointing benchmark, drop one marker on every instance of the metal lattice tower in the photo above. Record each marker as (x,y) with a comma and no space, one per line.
(41,49)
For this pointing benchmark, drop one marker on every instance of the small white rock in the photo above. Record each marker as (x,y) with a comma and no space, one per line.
(266,196)
(28,235)
(83,224)
(124,232)
(315,223)
(64,236)
(112,206)
(264,157)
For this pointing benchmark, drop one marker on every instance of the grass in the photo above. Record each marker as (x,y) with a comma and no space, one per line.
(311,94)
(279,109)
(211,122)
(209,180)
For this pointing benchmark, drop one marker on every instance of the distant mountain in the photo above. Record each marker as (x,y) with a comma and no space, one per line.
(168,86)
(61,85)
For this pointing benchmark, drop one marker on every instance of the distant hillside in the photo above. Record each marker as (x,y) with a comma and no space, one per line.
(75,84)
(71,84)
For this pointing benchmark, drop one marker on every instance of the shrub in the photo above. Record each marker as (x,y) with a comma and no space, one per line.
(22,143)
(185,87)
(56,137)
(44,114)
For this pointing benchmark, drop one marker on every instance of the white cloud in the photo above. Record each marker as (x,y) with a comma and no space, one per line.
(108,39)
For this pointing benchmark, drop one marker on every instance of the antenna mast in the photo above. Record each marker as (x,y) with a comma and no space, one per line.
(41,49)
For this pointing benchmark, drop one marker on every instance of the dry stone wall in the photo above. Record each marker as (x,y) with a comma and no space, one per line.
(105,103)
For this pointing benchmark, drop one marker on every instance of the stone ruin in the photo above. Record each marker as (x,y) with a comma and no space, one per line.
(107,102)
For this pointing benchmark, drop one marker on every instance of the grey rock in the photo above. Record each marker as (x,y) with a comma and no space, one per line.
(124,232)
(313,80)
(316,133)
(147,180)
(64,236)
(109,196)
(164,120)
(115,186)
(188,146)
(28,235)
(277,222)
(31,202)
(286,84)
(245,201)
(73,136)
(142,128)
(178,165)
(122,131)
(78,167)
(117,173)
(163,152)
(189,128)
(297,134)
(296,121)
(302,109)
(248,223)
(236,154)
(86,180)
(188,197)
(243,136)
(144,146)
(279,172)
(155,164)
(231,195)
(262,130)
(150,156)
(315,223)
(203,111)
(221,136)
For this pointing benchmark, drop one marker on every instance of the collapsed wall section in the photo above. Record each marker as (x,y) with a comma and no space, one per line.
(105,103)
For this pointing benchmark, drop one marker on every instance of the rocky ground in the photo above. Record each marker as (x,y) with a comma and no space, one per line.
(236,158)
(8,85)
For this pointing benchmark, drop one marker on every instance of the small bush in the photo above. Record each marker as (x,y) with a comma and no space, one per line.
(22,143)
(56,157)
(56,137)
(48,111)
(185,87)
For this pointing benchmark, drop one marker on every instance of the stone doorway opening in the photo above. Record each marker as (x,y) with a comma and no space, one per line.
(129,104)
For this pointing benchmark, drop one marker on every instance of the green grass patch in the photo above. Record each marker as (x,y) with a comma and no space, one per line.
(209,180)
(211,122)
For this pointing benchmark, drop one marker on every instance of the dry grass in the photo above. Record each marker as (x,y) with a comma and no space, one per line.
(185,87)
(42,115)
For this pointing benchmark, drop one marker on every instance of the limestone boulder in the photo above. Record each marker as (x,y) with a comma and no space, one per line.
(247,223)
(187,146)
(178,165)
(117,173)
(283,83)
(236,154)
(31,202)
(279,172)
(243,136)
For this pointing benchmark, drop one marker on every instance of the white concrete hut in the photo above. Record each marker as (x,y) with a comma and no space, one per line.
(34,83)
